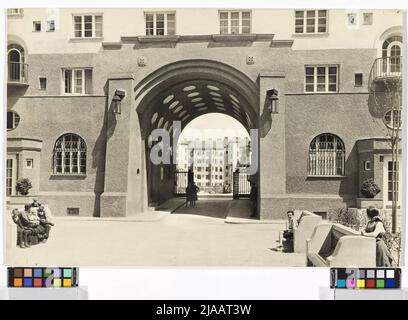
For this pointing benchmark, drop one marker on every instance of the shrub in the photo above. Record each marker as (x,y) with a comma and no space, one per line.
(23,185)
(352,218)
(369,189)
(392,240)
(334,215)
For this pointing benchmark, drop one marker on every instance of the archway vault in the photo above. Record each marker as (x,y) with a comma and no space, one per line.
(187,89)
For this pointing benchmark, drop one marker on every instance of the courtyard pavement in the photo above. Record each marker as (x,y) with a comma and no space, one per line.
(189,237)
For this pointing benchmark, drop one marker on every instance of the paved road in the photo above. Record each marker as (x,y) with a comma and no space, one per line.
(215,208)
(181,239)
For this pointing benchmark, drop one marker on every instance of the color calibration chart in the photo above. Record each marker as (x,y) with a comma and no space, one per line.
(37,277)
(365,278)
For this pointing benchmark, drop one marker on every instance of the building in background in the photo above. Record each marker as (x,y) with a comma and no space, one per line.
(213,161)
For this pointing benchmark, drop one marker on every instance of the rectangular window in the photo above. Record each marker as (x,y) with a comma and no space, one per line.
(37,26)
(77,81)
(352,19)
(310,21)
(160,23)
(50,25)
(43,83)
(358,79)
(9,177)
(88,26)
(235,22)
(321,78)
(29,163)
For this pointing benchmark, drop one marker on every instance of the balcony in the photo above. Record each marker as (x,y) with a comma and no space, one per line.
(17,74)
(15,12)
(386,69)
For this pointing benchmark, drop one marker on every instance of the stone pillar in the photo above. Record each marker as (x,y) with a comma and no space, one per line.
(272,162)
(114,197)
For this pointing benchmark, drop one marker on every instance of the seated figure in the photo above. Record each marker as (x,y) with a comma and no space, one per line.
(23,232)
(31,220)
(33,217)
(44,221)
(375,229)
(286,236)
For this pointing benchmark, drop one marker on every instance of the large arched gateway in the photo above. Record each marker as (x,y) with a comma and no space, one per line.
(180,91)
(183,90)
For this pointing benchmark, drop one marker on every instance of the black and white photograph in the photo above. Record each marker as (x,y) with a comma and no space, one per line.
(204,137)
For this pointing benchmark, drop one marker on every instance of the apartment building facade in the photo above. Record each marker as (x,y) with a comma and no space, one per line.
(213,161)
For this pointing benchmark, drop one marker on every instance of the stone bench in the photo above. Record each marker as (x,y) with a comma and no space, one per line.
(334,245)
(307,221)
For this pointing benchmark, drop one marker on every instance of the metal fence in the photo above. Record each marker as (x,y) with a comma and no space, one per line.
(326,162)
(241,185)
(386,67)
(17,72)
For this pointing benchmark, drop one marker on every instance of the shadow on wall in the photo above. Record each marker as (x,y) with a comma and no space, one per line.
(99,153)
(229,44)
(265,120)
(14,94)
(377,104)
(383,96)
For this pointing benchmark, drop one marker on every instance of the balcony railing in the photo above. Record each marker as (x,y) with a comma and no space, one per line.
(17,72)
(386,67)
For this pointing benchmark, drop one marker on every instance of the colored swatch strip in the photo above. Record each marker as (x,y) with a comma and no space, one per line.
(365,278)
(42,277)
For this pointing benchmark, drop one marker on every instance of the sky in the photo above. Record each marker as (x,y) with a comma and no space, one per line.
(213,125)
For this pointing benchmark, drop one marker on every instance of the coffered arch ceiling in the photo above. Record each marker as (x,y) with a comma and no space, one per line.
(190,89)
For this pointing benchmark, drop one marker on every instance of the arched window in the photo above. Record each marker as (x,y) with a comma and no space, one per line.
(13,119)
(392,54)
(326,156)
(16,59)
(69,155)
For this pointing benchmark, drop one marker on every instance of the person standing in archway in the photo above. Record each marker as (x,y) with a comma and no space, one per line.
(189,195)
(195,190)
